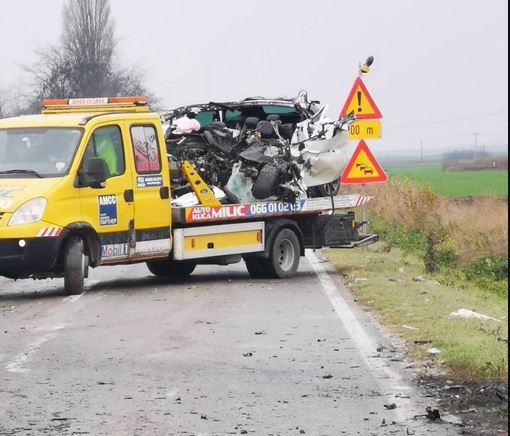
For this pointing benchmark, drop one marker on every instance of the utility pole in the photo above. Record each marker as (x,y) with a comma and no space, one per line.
(476,143)
(421,151)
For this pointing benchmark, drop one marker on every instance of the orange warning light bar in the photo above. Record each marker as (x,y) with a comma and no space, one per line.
(95,104)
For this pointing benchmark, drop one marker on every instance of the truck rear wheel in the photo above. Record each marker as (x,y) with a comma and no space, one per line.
(75,266)
(284,255)
(256,267)
(170,268)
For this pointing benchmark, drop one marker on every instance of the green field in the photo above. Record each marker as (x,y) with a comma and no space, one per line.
(455,183)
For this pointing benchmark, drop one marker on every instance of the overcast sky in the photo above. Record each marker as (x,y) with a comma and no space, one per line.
(440,73)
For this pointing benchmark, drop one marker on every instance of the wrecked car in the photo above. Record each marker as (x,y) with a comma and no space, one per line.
(258,148)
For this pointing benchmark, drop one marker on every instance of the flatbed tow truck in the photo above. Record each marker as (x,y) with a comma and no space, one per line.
(87,183)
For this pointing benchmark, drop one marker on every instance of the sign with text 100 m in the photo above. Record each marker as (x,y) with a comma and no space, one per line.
(364,129)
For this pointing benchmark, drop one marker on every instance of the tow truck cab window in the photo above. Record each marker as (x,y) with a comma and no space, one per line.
(106,143)
(146,149)
(42,152)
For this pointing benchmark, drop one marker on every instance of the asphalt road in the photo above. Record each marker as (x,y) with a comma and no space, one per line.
(217,354)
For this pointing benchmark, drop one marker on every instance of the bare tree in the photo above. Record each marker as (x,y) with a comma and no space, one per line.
(88,40)
(84,64)
(12,102)
(2,107)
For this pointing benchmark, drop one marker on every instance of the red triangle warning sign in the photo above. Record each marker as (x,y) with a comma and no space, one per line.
(363,167)
(360,102)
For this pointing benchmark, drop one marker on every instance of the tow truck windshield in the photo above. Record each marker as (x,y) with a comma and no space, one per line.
(37,152)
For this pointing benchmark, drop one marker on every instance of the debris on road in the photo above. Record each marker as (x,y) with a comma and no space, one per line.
(502,393)
(422,341)
(432,414)
(390,406)
(433,351)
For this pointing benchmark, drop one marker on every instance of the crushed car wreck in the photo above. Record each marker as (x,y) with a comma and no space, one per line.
(257,149)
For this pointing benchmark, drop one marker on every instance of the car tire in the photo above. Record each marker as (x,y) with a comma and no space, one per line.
(170,268)
(325,190)
(75,267)
(284,255)
(266,183)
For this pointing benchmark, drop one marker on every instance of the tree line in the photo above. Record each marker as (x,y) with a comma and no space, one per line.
(83,64)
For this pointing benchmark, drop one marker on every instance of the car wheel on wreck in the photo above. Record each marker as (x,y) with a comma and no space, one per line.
(267,182)
(325,190)
(170,268)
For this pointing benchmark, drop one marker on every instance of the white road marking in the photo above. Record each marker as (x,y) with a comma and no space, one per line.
(18,363)
(72,298)
(75,298)
(389,380)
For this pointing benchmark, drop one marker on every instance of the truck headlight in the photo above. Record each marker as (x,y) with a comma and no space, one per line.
(29,212)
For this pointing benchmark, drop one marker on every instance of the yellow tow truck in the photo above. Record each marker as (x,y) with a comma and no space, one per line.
(87,183)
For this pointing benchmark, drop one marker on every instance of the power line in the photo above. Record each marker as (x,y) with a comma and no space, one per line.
(451,120)
(497,135)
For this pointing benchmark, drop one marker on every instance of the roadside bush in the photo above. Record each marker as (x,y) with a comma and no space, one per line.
(491,267)
(469,233)
(440,249)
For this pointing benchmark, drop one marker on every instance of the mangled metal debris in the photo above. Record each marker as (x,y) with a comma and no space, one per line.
(257,149)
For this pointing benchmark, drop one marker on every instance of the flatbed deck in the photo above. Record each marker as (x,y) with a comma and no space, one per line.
(265,209)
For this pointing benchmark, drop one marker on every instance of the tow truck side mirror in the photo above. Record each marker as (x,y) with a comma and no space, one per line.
(94,173)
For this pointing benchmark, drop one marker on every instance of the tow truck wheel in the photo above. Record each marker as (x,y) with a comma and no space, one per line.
(255,267)
(170,268)
(75,266)
(284,255)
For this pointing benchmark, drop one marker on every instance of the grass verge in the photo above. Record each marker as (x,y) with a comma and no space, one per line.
(455,183)
(416,306)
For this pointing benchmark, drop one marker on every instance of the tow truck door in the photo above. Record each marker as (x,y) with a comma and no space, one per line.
(151,192)
(107,208)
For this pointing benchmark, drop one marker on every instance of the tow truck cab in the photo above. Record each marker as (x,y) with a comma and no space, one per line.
(77,171)
(87,183)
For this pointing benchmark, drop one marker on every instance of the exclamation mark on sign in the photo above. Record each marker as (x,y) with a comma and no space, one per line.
(359,101)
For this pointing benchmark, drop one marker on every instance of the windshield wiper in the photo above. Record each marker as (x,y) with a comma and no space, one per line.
(35,173)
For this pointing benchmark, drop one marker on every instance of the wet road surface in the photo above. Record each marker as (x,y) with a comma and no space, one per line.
(218,353)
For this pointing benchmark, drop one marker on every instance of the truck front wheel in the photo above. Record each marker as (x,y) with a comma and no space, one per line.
(284,254)
(75,266)
(170,268)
